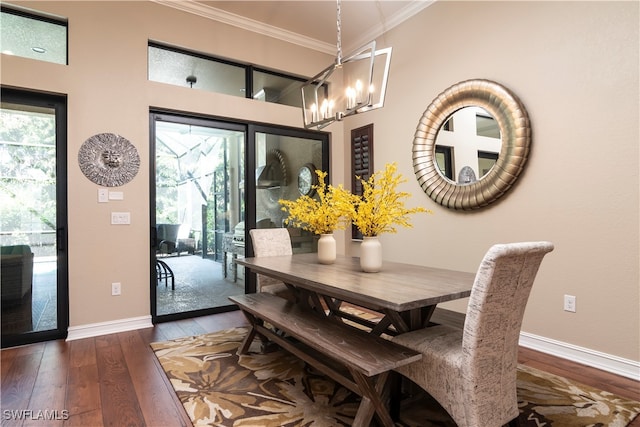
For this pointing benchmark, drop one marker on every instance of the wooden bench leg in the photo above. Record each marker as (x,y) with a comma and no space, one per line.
(395,387)
(246,343)
(374,393)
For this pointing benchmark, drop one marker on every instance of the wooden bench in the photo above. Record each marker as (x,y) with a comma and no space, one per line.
(440,316)
(360,361)
(443,316)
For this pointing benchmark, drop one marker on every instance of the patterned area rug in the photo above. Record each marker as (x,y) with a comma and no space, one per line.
(218,388)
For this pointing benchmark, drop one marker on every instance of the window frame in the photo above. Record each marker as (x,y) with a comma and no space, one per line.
(17,11)
(249,69)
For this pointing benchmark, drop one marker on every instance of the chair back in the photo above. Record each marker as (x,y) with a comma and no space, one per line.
(494,317)
(167,238)
(270,242)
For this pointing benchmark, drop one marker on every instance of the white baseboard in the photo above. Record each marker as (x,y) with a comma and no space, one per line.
(606,362)
(111,327)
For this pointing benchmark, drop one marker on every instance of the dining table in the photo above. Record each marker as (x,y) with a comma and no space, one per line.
(403,295)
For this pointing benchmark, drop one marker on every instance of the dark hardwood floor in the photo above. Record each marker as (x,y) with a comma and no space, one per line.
(115,380)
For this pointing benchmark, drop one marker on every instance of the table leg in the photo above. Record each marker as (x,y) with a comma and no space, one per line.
(397,320)
(310,300)
(426,313)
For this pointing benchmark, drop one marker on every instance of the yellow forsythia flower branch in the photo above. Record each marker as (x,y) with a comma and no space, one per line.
(331,212)
(379,208)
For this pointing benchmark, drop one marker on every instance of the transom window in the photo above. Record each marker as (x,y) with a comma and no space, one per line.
(33,36)
(183,68)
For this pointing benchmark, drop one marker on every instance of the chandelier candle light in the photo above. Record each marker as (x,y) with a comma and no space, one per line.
(364,75)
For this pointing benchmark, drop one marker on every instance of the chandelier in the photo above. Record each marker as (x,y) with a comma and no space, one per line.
(364,72)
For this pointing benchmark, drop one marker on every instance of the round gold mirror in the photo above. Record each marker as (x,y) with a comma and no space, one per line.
(478,165)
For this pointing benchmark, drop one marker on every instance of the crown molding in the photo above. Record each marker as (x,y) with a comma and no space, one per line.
(245,23)
(193,7)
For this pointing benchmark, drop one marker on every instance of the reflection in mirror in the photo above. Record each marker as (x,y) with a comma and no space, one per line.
(486,160)
(444,160)
(467,176)
(468,139)
(486,125)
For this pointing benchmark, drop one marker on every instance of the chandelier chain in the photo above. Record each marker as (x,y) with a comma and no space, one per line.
(339,26)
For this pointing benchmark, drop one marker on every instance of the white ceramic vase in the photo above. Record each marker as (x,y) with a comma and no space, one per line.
(370,254)
(327,249)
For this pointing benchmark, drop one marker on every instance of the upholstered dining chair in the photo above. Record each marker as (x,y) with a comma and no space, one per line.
(472,371)
(271,242)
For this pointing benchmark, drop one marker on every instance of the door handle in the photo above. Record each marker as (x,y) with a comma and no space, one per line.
(60,240)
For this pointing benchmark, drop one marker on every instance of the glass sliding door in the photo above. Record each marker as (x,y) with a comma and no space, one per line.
(282,164)
(198,211)
(212,181)
(283,160)
(33,236)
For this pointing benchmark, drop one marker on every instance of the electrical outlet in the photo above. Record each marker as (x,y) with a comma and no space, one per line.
(570,303)
(116,288)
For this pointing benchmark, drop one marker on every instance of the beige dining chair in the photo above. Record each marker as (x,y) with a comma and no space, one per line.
(271,242)
(472,371)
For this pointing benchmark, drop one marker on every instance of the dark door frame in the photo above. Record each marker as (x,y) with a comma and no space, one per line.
(58,102)
(250,129)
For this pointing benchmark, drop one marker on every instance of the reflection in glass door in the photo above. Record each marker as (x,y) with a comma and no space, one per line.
(284,161)
(198,214)
(32,217)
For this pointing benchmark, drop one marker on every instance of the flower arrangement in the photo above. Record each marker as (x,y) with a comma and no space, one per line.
(381,205)
(379,208)
(324,215)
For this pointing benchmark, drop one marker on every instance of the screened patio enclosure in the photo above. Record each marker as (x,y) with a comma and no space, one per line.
(199,187)
(202,205)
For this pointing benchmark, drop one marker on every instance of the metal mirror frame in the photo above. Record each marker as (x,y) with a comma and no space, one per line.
(515,131)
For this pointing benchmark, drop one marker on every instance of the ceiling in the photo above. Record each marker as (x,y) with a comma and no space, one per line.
(309,23)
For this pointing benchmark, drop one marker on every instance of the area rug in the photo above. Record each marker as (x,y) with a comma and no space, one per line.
(219,388)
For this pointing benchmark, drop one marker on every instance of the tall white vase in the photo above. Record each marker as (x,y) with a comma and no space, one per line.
(370,254)
(326,249)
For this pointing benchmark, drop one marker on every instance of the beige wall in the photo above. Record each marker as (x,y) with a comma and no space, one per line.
(573,64)
(108,91)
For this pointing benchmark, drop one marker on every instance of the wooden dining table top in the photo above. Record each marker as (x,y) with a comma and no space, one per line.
(397,287)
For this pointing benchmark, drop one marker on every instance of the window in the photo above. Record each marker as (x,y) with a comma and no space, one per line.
(361,163)
(487,126)
(444,160)
(448,125)
(182,68)
(486,160)
(277,88)
(199,72)
(32,36)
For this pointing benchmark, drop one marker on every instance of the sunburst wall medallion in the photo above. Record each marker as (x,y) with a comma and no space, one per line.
(108,159)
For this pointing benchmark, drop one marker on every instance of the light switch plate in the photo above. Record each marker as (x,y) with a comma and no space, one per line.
(120,218)
(103,195)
